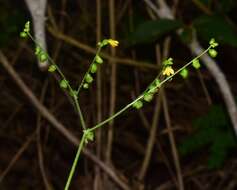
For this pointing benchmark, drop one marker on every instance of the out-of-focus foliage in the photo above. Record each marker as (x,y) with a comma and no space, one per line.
(227,5)
(150,31)
(213,132)
(221,5)
(10,23)
(186,34)
(216,27)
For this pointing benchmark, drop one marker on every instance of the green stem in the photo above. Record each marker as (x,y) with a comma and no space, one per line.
(82,120)
(93,61)
(72,171)
(141,96)
(115,115)
(80,113)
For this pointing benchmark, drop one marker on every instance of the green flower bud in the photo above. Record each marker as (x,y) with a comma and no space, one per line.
(98,59)
(23,35)
(89,136)
(99,43)
(103,43)
(86,85)
(168,62)
(184,73)
(88,78)
(148,97)
(157,82)
(196,64)
(52,68)
(27,27)
(43,57)
(37,50)
(213,43)
(63,84)
(73,93)
(212,52)
(152,89)
(93,68)
(138,104)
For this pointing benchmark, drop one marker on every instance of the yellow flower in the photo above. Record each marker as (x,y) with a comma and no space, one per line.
(168,71)
(113,43)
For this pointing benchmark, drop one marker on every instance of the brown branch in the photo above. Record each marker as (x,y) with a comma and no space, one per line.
(151,141)
(91,50)
(172,141)
(17,155)
(37,9)
(113,81)
(46,181)
(202,7)
(98,183)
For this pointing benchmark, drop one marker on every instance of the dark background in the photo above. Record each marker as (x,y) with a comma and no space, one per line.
(194,138)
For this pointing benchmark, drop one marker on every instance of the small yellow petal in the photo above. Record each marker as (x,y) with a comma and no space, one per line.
(168,71)
(113,43)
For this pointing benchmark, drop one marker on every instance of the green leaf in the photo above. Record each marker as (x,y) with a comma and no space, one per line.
(11,23)
(213,133)
(186,34)
(150,31)
(216,27)
(226,5)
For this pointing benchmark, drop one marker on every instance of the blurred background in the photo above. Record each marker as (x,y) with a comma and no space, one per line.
(184,139)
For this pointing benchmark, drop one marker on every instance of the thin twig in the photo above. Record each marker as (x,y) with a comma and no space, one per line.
(113,81)
(17,155)
(202,7)
(172,141)
(152,133)
(204,87)
(151,139)
(91,50)
(98,181)
(47,184)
